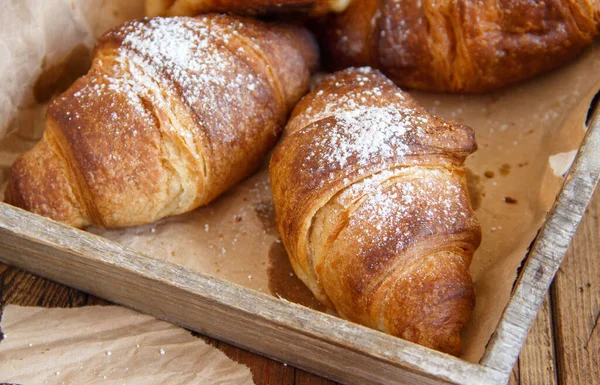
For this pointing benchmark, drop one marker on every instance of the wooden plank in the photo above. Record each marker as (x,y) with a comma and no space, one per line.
(311,340)
(264,370)
(26,289)
(576,304)
(306,378)
(547,253)
(536,362)
(514,375)
(96,301)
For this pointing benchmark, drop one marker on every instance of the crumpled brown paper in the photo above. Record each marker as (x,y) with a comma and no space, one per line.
(38,35)
(526,134)
(107,345)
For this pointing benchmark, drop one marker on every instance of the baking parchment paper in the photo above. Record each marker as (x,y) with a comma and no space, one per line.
(108,345)
(527,136)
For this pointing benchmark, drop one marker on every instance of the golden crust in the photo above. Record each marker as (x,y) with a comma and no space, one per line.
(44,170)
(172,113)
(460,46)
(248,7)
(373,209)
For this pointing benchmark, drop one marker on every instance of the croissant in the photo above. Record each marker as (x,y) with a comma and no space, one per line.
(252,7)
(372,207)
(460,46)
(171,114)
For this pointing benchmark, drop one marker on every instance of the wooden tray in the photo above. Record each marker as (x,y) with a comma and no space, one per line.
(305,338)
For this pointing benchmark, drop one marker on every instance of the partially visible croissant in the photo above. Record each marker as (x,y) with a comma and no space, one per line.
(372,207)
(436,45)
(460,45)
(172,113)
(196,7)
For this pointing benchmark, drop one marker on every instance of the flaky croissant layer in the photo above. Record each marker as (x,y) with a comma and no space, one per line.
(460,45)
(171,114)
(373,209)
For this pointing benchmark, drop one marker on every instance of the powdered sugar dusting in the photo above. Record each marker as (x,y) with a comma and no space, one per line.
(162,57)
(364,187)
(367,128)
(188,54)
(414,203)
(367,134)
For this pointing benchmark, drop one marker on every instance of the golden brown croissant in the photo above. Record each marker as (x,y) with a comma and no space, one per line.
(461,45)
(172,113)
(196,7)
(372,207)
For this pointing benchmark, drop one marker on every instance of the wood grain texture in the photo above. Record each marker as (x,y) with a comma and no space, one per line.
(536,363)
(546,254)
(264,370)
(26,289)
(322,344)
(514,375)
(306,378)
(576,305)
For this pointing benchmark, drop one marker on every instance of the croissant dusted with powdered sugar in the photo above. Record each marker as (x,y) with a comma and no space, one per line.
(196,7)
(172,113)
(372,207)
(462,45)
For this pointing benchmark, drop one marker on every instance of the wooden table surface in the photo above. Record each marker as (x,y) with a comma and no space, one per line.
(563,346)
